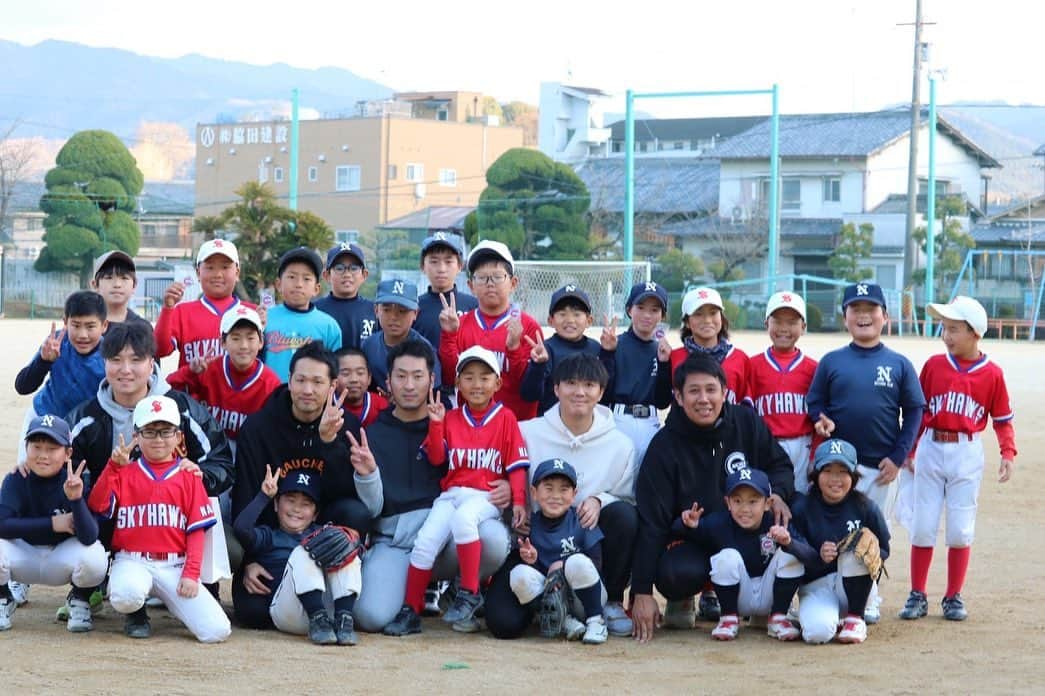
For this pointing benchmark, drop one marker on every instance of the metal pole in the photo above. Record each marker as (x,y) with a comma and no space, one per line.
(629,175)
(293,198)
(774,185)
(910,248)
(930,209)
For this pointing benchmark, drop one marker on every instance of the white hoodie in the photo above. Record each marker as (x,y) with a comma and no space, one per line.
(604,457)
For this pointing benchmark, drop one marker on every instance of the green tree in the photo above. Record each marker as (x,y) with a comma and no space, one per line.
(208,226)
(854,245)
(677,268)
(91,193)
(257,220)
(951,244)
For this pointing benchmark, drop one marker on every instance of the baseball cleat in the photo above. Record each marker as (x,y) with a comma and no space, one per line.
(345,628)
(7,609)
(19,591)
(552,612)
(321,629)
(573,628)
(727,628)
(79,616)
(916,607)
(680,614)
(710,609)
(954,608)
(617,620)
(405,623)
(596,632)
(781,628)
(137,625)
(854,630)
(466,603)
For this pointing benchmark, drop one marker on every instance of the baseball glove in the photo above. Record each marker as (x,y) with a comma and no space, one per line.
(864,544)
(332,547)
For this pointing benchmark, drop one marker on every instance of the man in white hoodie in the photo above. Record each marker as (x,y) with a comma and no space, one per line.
(579,430)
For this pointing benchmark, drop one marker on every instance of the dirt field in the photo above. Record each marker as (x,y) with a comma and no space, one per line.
(999,649)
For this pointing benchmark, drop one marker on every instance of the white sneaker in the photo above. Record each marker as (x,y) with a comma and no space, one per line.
(7,608)
(680,614)
(727,628)
(80,620)
(573,628)
(854,630)
(617,620)
(596,632)
(781,628)
(20,592)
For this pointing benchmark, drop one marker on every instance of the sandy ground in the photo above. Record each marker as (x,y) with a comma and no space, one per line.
(998,649)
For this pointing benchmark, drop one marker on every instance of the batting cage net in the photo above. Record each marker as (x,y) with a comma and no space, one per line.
(606,282)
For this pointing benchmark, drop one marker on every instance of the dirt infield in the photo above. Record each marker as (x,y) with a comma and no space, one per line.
(999,649)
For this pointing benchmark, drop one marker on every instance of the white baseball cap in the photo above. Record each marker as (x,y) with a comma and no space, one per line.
(698,297)
(788,299)
(487,248)
(217,246)
(479,354)
(156,409)
(240,313)
(962,308)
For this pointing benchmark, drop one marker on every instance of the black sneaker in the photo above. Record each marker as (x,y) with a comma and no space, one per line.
(709,609)
(406,622)
(954,608)
(916,607)
(321,629)
(137,625)
(466,603)
(345,628)
(552,612)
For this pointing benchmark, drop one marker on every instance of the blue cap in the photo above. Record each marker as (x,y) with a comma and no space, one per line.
(400,292)
(640,291)
(863,292)
(834,452)
(345,248)
(307,481)
(567,292)
(52,426)
(304,255)
(446,239)
(753,478)
(554,467)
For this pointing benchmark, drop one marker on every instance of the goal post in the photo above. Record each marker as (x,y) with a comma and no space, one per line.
(606,282)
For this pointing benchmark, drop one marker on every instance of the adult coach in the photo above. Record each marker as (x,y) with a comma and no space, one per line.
(703,441)
(396,480)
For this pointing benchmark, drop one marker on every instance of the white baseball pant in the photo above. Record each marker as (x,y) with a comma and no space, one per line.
(797,449)
(456,513)
(303,575)
(822,603)
(528,583)
(64,563)
(946,473)
(639,430)
(135,577)
(756,594)
(883,496)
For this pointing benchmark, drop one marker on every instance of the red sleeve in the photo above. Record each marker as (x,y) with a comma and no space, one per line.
(184,379)
(927,415)
(517,479)
(514,453)
(193,555)
(199,512)
(742,380)
(1006,438)
(435,443)
(519,358)
(103,498)
(164,332)
(449,349)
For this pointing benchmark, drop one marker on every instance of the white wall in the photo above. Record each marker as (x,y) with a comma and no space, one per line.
(739,178)
(563,110)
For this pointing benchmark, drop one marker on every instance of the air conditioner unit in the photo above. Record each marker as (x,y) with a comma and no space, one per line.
(419,191)
(739,214)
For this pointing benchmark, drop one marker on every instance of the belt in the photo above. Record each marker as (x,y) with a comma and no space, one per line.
(951,436)
(150,556)
(634,410)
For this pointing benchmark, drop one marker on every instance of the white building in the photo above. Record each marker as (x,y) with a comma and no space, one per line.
(570,126)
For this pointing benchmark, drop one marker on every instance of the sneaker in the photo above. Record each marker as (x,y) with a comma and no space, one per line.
(727,628)
(79,616)
(464,607)
(916,607)
(854,630)
(345,628)
(710,610)
(469,624)
(781,628)
(19,591)
(321,629)
(7,609)
(137,625)
(405,623)
(954,608)
(573,628)
(432,596)
(617,620)
(596,632)
(552,612)
(680,614)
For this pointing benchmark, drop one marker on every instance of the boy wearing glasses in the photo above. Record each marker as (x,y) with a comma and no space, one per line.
(346,272)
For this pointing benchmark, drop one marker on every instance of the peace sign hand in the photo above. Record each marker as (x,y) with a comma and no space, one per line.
(121,455)
(527,552)
(73,485)
(199,365)
(663,350)
(362,458)
(538,351)
(608,340)
(436,409)
(270,486)
(448,319)
(52,345)
(333,417)
(691,517)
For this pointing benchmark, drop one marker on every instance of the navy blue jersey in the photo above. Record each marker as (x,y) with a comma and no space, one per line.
(376,353)
(634,377)
(355,316)
(270,547)
(28,503)
(818,521)
(429,306)
(537,380)
(864,391)
(719,531)
(555,540)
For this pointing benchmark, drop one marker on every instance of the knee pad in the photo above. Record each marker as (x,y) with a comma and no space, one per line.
(125,603)
(526,582)
(580,572)
(726,566)
(818,633)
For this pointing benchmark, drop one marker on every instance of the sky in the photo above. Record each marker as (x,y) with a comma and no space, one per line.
(826,55)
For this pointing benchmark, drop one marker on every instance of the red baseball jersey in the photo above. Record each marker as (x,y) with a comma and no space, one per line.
(777,384)
(230,394)
(193,328)
(735,366)
(478,329)
(482,448)
(366,410)
(961,394)
(155,507)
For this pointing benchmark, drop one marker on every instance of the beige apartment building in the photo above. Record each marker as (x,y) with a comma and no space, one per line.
(396,157)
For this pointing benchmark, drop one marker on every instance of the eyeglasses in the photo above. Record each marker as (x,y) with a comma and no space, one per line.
(166,433)
(347,268)
(492,279)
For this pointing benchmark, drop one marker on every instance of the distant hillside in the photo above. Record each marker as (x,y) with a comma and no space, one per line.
(1010,134)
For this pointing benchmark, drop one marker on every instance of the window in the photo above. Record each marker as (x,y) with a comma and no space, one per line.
(448,177)
(346,236)
(393,172)
(618,146)
(415,172)
(679,145)
(277,175)
(313,174)
(832,189)
(263,173)
(346,178)
(790,195)
(570,132)
(443,114)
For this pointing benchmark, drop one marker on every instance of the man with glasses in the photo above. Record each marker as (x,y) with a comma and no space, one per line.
(346,272)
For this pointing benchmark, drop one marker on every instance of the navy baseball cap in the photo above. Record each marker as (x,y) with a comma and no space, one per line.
(400,292)
(554,467)
(303,254)
(51,426)
(345,248)
(306,481)
(569,292)
(834,452)
(753,478)
(863,292)
(451,241)
(640,291)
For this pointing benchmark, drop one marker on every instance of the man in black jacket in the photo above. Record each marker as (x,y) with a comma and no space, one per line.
(704,439)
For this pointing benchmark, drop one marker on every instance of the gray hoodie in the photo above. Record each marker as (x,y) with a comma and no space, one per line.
(123,417)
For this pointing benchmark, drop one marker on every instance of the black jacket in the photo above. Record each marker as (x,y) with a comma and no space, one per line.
(686,463)
(275,437)
(408,480)
(205,441)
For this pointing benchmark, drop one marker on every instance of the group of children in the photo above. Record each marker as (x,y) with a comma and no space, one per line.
(839,422)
